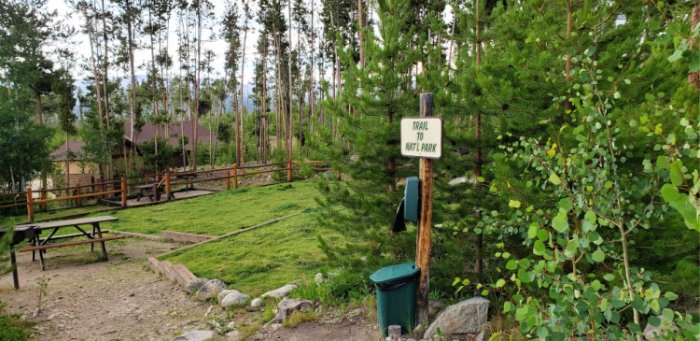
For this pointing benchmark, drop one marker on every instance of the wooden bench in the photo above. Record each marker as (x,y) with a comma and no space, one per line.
(66,244)
(154,187)
(66,236)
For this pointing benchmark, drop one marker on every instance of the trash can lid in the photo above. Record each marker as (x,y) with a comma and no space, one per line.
(394,272)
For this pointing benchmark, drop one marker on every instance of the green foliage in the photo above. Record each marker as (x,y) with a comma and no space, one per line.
(24,145)
(362,143)
(579,280)
(12,328)
(158,159)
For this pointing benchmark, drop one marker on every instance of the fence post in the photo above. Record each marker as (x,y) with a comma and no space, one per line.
(168,192)
(289,170)
(43,200)
(77,200)
(123,189)
(228,179)
(30,209)
(235,176)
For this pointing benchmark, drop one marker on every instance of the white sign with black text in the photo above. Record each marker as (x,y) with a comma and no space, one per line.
(421,137)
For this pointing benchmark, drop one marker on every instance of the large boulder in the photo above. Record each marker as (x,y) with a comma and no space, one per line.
(466,317)
(287,306)
(234,299)
(280,292)
(195,335)
(210,289)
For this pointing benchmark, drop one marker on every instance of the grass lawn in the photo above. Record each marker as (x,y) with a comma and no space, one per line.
(264,258)
(219,213)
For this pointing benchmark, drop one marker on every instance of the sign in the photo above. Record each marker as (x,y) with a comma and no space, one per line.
(421,137)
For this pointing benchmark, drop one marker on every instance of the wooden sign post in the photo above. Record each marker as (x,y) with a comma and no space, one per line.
(422,137)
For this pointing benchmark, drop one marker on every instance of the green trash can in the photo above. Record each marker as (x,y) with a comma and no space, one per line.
(396,295)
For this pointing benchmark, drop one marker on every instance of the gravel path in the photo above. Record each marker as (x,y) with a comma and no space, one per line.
(91,300)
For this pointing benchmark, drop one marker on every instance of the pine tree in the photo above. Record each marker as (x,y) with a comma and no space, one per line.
(231,34)
(63,87)
(366,149)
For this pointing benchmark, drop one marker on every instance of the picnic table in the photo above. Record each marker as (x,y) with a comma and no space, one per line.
(42,244)
(155,187)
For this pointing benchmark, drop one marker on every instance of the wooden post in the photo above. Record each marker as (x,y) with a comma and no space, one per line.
(124,191)
(30,209)
(13,262)
(235,176)
(98,189)
(77,200)
(228,179)
(425,224)
(154,191)
(168,189)
(289,170)
(43,200)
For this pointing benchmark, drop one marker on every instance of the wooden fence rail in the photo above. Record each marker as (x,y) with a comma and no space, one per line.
(230,174)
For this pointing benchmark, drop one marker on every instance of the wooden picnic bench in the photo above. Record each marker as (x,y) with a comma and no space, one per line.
(154,189)
(40,245)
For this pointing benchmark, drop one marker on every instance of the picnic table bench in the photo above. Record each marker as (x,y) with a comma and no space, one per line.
(42,244)
(156,187)
(155,190)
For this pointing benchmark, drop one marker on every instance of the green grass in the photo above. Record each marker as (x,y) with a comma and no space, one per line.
(219,213)
(264,258)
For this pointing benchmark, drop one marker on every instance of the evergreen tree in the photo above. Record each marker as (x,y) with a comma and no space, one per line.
(367,149)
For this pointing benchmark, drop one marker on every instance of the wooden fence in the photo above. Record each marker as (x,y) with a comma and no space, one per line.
(166,180)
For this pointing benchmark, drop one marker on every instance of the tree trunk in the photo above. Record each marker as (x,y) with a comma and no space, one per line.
(312,86)
(197,68)
(478,161)
(95,73)
(239,122)
(289,85)
(132,97)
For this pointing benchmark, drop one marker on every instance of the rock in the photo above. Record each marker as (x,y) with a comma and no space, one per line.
(318,278)
(466,317)
(280,292)
(193,286)
(657,333)
(195,335)
(276,326)
(210,289)
(235,299)
(394,331)
(287,306)
(223,293)
(257,302)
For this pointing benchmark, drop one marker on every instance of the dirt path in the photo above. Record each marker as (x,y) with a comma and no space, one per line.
(91,300)
(123,300)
